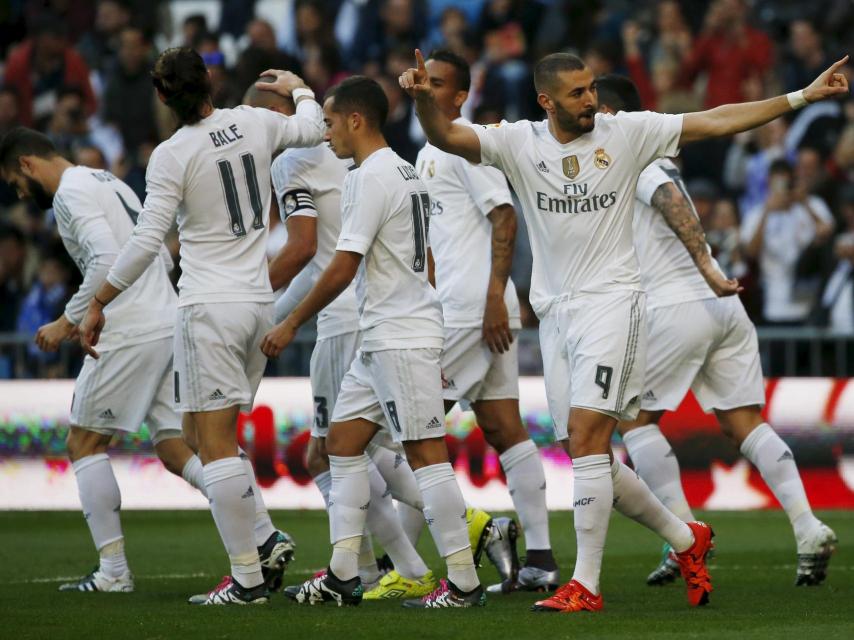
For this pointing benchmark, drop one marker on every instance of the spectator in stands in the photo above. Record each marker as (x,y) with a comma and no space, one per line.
(262,54)
(778,236)
(41,65)
(128,101)
(68,126)
(704,194)
(402,24)
(13,283)
(724,240)
(812,176)
(805,57)
(837,301)
(89,155)
(9,110)
(100,46)
(748,160)
(195,26)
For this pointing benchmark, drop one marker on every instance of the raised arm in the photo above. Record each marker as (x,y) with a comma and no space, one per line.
(730,119)
(677,211)
(453,138)
(303,129)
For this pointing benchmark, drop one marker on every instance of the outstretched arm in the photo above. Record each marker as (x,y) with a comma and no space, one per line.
(669,200)
(440,131)
(730,119)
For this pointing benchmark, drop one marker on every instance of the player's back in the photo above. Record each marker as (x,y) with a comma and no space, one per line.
(668,274)
(385,209)
(221,168)
(90,204)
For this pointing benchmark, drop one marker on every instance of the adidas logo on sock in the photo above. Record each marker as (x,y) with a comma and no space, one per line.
(217,395)
(107,414)
(787,455)
(398,460)
(649,395)
(249,493)
(434,423)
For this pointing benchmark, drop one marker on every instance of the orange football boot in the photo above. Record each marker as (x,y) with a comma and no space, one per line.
(573,596)
(692,564)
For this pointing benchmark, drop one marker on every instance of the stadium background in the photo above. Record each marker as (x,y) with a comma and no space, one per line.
(78,70)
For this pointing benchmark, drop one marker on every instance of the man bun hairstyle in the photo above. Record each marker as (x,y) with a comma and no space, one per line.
(547,69)
(462,73)
(181,76)
(618,92)
(362,95)
(21,141)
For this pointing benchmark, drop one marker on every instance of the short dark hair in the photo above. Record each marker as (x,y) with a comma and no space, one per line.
(181,76)
(546,70)
(462,73)
(780,165)
(618,92)
(362,95)
(21,141)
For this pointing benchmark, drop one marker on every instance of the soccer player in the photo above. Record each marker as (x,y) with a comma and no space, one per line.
(472,232)
(213,174)
(307,183)
(394,383)
(705,343)
(132,382)
(576,174)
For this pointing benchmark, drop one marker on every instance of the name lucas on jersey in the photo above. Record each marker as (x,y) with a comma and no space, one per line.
(575,200)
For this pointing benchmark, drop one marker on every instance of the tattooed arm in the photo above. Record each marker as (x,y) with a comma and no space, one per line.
(669,200)
(496,322)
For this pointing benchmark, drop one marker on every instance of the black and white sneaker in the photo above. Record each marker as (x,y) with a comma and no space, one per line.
(501,548)
(275,555)
(447,596)
(229,591)
(326,587)
(98,581)
(667,570)
(814,556)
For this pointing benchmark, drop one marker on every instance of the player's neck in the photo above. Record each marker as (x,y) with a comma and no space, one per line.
(563,137)
(54,173)
(367,146)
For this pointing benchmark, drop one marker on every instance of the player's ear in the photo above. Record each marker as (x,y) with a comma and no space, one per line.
(460,98)
(355,121)
(160,96)
(27,166)
(545,102)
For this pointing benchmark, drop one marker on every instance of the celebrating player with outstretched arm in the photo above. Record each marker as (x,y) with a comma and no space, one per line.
(576,174)
(214,174)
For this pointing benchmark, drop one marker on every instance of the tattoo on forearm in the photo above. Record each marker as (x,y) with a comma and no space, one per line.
(680,216)
(503,220)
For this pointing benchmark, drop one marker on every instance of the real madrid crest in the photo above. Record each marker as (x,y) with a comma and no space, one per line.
(570,167)
(431,168)
(290,204)
(601,159)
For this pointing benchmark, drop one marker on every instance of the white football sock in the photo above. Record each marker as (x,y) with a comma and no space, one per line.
(100,499)
(767,451)
(384,524)
(113,562)
(368,570)
(263,525)
(397,474)
(349,500)
(233,507)
(656,463)
(445,512)
(324,484)
(634,499)
(593,494)
(412,521)
(194,474)
(526,482)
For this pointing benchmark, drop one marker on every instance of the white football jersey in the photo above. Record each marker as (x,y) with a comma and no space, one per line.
(214,176)
(578,198)
(385,211)
(95,214)
(668,274)
(308,183)
(461,196)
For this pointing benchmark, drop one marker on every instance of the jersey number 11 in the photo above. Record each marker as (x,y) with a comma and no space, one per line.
(232,201)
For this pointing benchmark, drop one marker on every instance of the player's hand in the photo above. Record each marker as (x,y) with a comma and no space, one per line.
(90,328)
(829,84)
(285,84)
(496,325)
(721,285)
(415,81)
(278,338)
(51,335)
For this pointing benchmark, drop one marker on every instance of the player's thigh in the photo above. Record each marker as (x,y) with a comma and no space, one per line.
(555,372)
(606,351)
(330,360)
(465,362)
(357,398)
(163,421)
(731,376)
(408,384)
(679,338)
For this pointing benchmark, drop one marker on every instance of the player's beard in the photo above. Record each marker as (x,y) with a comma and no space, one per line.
(570,123)
(42,199)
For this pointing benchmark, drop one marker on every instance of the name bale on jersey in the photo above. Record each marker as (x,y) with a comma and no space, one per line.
(222,137)
(575,199)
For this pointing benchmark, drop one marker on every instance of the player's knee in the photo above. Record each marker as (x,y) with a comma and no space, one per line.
(81,443)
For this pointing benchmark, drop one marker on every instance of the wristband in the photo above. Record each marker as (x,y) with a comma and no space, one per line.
(796,100)
(103,304)
(302,92)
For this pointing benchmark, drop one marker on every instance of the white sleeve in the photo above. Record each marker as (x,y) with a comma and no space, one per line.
(363,212)
(649,181)
(496,143)
(303,129)
(486,185)
(293,191)
(650,135)
(90,231)
(164,186)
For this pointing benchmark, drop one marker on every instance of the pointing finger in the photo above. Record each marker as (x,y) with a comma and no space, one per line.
(419,60)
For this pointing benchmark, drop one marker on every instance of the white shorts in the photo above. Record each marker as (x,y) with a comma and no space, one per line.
(126,387)
(218,358)
(398,389)
(709,346)
(330,360)
(472,372)
(594,353)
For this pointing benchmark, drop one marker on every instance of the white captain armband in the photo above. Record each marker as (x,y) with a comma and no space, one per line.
(298,201)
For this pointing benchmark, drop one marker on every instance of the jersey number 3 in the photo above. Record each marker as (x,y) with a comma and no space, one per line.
(232,201)
(420,223)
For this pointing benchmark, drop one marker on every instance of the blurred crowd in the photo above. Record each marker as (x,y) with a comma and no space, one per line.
(777,203)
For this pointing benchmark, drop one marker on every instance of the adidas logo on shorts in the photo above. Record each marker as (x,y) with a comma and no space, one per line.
(434,423)
(649,395)
(107,414)
(217,395)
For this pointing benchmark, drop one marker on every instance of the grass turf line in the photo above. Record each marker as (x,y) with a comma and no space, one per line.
(175,554)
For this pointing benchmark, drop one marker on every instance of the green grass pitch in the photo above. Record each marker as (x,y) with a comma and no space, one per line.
(175,554)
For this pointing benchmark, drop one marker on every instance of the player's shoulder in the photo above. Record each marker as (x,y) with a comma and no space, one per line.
(81,183)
